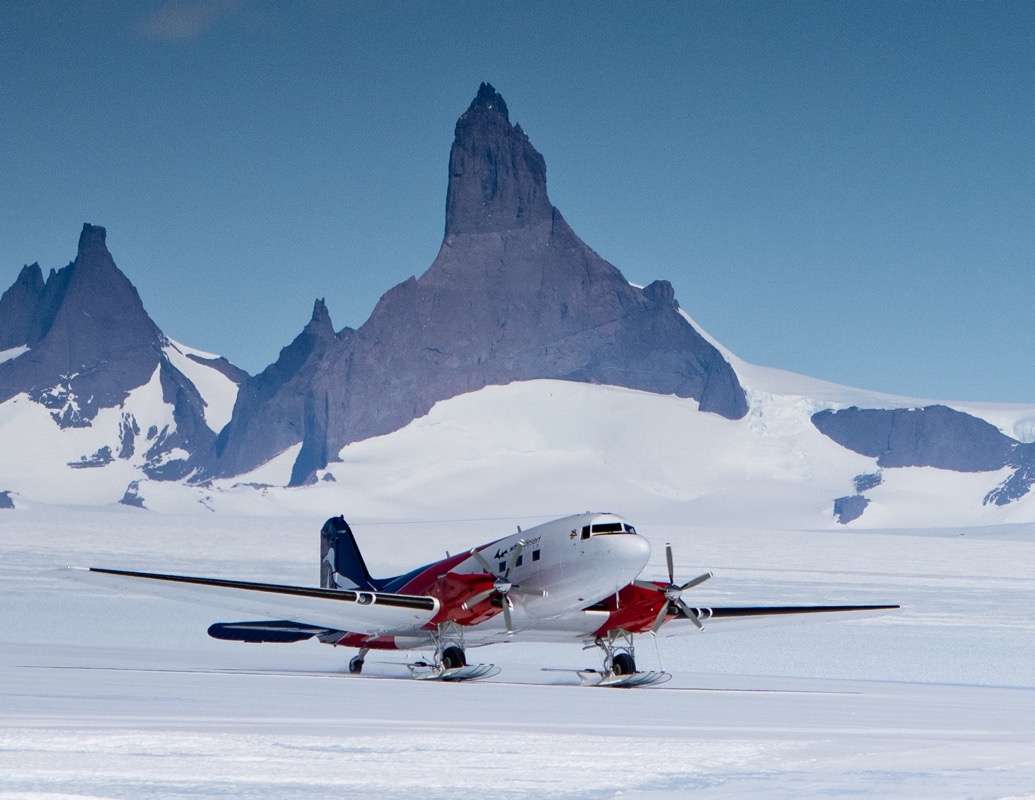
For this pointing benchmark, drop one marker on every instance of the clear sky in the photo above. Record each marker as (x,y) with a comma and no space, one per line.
(842,189)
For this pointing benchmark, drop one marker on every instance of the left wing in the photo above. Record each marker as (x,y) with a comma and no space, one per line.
(699,616)
(369,613)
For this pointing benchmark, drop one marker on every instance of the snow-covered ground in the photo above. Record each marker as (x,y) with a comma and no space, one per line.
(126,697)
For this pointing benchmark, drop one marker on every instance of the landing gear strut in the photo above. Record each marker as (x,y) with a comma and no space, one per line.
(450,660)
(619,653)
(356,664)
(619,664)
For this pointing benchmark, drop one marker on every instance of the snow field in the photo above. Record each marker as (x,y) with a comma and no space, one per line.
(120,697)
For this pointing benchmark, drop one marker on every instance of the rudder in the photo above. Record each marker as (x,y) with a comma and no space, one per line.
(341,564)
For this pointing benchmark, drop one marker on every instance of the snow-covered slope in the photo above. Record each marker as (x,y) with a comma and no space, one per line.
(93,396)
(544,447)
(42,463)
(217,389)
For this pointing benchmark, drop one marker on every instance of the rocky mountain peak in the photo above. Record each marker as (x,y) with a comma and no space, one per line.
(320,322)
(512,295)
(88,333)
(92,238)
(18,307)
(488,99)
(497,179)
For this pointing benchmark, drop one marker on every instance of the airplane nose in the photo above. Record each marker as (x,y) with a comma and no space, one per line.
(630,550)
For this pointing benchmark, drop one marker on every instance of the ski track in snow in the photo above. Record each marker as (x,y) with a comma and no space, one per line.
(107,696)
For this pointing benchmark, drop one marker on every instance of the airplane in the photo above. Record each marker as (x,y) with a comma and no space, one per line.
(575,579)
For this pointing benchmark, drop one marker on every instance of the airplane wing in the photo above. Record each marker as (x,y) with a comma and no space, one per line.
(765,614)
(369,613)
(741,612)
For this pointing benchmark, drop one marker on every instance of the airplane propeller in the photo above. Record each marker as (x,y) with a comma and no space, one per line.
(502,584)
(673,594)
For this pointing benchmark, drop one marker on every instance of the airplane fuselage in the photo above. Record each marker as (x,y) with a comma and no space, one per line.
(576,562)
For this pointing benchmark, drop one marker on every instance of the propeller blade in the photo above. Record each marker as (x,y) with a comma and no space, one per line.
(508,620)
(671,569)
(473,601)
(647,585)
(481,560)
(662,616)
(696,581)
(691,614)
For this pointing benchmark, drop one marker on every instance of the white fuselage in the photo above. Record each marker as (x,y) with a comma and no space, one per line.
(578,561)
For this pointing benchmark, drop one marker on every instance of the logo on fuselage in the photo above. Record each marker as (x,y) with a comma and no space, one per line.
(503,553)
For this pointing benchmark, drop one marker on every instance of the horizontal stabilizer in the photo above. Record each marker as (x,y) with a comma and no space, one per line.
(279,631)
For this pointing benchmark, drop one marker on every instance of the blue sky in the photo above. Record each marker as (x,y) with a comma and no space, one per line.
(841,189)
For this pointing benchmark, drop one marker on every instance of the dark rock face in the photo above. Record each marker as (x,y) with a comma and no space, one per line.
(850,508)
(869,480)
(18,307)
(91,343)
(270,412)
(513,295)
(933,436)
(222,365)
(497,180)
(90,339)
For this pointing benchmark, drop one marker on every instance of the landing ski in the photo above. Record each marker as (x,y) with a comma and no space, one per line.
(472,672)
(591,677)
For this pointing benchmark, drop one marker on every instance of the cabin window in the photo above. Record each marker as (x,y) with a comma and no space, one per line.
(518,562)
(503,566)
(535,555)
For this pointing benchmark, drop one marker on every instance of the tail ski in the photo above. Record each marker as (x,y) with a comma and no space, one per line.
(341,564)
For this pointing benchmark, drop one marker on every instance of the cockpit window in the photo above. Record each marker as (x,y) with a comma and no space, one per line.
(629,528)
(609,527)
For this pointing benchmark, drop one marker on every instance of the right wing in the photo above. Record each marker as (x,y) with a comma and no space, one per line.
(368,613)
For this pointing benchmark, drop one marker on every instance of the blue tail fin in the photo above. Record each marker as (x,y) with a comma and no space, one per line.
(341,564)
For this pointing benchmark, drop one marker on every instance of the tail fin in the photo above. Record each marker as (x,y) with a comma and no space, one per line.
(341,565)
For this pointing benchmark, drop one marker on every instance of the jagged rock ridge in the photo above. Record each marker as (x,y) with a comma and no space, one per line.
(513,295)
(89,344)
(271,407)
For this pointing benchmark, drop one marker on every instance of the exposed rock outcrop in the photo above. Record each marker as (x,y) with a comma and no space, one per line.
(932,436)
(18,306)
(513,295)
(90,340)
(89,344)
(270,412)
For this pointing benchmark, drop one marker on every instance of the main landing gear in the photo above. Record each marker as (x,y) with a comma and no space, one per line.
(619,665)
(451,665)
(357,661)
(450,660)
